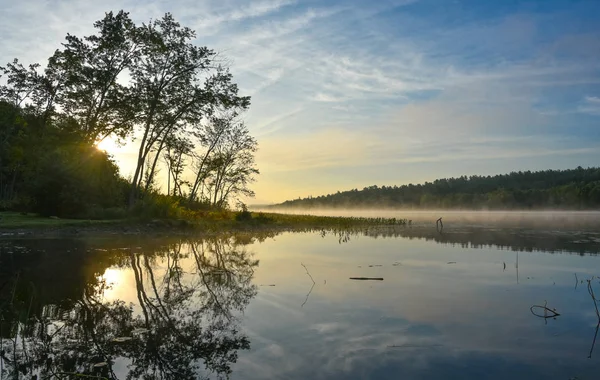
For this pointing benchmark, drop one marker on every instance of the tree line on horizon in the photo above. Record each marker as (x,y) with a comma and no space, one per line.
(576,189)
(148,83)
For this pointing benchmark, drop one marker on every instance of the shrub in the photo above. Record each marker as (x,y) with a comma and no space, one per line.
(158,206)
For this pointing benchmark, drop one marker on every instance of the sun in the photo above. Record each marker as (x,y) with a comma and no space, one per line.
(108,144)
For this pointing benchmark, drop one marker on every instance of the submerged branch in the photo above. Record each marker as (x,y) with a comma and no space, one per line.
(307,295)
(311,288)
(594,341)
(591,291)
(308,273)
(546,310)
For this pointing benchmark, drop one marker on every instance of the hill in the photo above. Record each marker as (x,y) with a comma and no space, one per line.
(575,189)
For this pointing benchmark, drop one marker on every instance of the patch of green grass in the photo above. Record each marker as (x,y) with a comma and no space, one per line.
(19,220)
(210,221)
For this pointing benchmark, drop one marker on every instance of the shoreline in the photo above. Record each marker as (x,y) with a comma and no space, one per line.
(39,227)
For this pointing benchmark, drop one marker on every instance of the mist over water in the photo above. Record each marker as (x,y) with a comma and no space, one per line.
(547,219)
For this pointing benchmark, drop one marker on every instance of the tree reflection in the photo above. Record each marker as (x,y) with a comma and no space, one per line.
(527,240)
(184,325)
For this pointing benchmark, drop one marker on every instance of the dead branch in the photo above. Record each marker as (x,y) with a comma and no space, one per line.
(311,288)
(591,291)
(594,341)
(439,226)
(546,311)
(308,273)
(367,278)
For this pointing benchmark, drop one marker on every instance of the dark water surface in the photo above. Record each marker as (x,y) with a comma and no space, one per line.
(451,306)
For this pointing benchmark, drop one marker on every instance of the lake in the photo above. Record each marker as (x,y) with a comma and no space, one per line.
(460,304)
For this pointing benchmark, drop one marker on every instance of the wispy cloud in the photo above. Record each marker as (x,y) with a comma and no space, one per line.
(211,22)
(590,105)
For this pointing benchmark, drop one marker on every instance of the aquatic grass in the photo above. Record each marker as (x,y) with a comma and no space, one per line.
(216,220)
(328,221)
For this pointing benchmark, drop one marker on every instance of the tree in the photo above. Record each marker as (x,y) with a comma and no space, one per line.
(209,139)
(176,151)
(177,85)
(229,168)
(91,93)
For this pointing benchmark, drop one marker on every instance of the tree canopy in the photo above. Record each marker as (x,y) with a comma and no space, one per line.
(148,83)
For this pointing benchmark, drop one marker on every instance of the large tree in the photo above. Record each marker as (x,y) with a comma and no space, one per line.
(177,84)
(149,82)
(91,67)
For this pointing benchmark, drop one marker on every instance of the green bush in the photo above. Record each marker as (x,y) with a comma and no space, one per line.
(73,181)
(158,206)
(243,216)
(263,219)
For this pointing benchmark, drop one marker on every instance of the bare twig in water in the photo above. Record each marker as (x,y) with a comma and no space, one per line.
(591,291)
(517,267)
(311,288)
(594,341)
(307,295)
(439,226)
(576,281)
(308,273)
(367,278)
(552,312)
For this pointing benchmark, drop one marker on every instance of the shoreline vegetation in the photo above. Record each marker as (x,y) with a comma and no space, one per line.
(19,224)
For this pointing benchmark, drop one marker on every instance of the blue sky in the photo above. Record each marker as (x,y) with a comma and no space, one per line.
(347,94)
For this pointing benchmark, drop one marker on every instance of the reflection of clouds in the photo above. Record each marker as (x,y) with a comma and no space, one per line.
(275,350)
(327,328)
(427,319)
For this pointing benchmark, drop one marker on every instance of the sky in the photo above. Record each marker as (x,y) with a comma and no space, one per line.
(348,94)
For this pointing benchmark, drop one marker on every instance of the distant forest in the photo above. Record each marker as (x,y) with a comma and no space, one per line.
(576,189)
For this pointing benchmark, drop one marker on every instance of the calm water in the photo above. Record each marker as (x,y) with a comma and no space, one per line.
(454,305)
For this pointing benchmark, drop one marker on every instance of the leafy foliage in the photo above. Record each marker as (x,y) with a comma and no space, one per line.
(147,82)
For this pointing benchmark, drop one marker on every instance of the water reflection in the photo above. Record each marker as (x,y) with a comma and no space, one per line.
(515,239)
(185,321)
(145,307)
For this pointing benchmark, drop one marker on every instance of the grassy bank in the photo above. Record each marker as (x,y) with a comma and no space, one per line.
(215,221)
(11,220)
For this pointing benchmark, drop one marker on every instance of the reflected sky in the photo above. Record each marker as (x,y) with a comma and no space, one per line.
(443,310)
